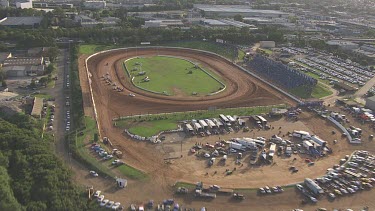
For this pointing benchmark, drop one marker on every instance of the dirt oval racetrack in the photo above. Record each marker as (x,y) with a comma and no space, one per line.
(243,90)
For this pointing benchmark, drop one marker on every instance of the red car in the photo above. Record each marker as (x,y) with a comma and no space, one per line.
(307,160)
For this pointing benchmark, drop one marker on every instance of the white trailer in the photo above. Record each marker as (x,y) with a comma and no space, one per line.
(189,128)
(224,118)
(307,144)
(231,119)
(318,140)
(210,123)
(301,134)
(218,123)
(272,150)
(197,126)
(315,188)
(203,124)
(247,143)
(235,145)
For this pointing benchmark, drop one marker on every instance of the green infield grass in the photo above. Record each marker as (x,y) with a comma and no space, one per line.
(172,76)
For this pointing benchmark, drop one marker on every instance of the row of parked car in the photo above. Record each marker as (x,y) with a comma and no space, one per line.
(269,190)
(106,202)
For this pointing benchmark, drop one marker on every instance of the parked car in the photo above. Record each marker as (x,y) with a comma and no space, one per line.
(100,198)
(97,193)
(104,202)
(94,174)
(110,204)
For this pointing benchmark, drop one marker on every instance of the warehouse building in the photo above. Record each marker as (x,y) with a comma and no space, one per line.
(37,107)
(21,22)
(370,103)
(232,10)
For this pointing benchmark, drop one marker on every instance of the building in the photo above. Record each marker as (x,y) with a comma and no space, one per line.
(21,22)
(13,61)
(370,102)
(23,70)
(4,3)
(23,66)
(232,10)
(26,4)
(163,23)
(224,23)
(37,107)
(267,44)
(94,4)
(4,56)
(315,188)
(345,45)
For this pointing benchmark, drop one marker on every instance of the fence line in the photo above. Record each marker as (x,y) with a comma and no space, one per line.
(196,111)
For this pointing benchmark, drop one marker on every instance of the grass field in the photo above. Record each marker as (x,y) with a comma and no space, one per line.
(173,76)
(318,92)
(228,52)
(90,49)
(152,124)
(103,167)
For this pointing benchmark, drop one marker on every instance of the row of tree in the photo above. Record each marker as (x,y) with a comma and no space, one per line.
(125,35)
(31,176)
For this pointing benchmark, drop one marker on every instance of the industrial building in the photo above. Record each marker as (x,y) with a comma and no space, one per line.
(232,10)
(370,103)
(163,23)
(21,22)
(224,23)
(267,44)
(94,4)
(26,4)
(37,107)
(315,188)
(23,66)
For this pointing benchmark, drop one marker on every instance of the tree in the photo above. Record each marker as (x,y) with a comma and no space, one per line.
(43,81)
(50,68)
(52,53)
(238,17)
(32,84)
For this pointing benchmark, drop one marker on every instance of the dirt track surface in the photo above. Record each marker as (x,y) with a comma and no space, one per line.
(242,90)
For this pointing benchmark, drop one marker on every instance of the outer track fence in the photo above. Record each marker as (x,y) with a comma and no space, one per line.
(198,112)
(166,47)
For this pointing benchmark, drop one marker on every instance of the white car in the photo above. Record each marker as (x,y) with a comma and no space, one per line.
(117,161)
(300,187)
(116,206)
(331,195)
(100,198)
(110,204)
(104,202)
(97,193)
(93,173)
(140,208)
(132,95)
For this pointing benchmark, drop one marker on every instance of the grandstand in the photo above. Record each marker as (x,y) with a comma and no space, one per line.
(281,74)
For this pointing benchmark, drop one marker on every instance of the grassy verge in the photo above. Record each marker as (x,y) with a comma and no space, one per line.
(42,95)
(241,55)
(81,152)
(266,51)
(189,186)
(223,50)
(152,124)
(90,49)
(320,91)
(132,173)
